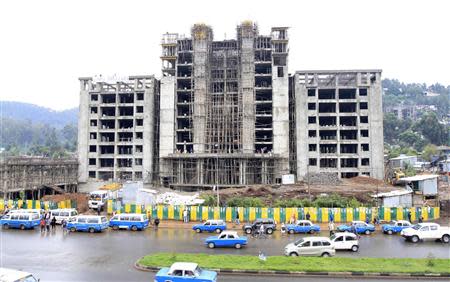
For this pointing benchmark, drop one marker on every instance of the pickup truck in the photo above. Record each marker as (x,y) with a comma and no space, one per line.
(426,231)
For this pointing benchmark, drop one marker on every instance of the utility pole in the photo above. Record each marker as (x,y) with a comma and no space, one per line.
(217,175)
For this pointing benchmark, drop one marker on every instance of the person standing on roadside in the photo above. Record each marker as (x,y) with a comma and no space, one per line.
(42,224)
(47,223)
(409,216)
(53,223)
(63,225)
(331,227)
(237,218)
(185,215)
(156,222)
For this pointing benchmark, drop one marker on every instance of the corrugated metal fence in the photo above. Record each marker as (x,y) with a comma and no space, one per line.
(199,213)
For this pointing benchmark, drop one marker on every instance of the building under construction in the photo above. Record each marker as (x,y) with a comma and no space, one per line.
(227,113)
(224,108)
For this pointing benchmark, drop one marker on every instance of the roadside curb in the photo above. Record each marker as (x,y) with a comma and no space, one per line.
(309,273)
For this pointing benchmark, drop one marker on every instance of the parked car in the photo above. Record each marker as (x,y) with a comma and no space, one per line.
(185,271)
(226,239)
(395,227)
(12,275)
(91,223)
(426,231)
(345,241)
(210,226)
(269,225)
(360,226)
(310,246)
(60,214)
(129,221)
(21,220)
(302,226)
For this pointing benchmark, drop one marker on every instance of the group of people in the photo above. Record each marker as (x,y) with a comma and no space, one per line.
(48,222)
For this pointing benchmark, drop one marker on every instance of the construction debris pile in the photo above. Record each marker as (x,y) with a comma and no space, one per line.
(171,198)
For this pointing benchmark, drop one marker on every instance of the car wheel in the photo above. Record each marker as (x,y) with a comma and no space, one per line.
(325,255)
(6,226)
(291,231)
(293,254)
(248,230)
(237,246)
(73,229)
(367,232)
(389,232)
(355,248)
(211,245)
(198,230)
(446,238)
(218,231)
(91,230)
(134,228)
(312,231)
(115,227)
(269,231)
(22,227)
(414,239)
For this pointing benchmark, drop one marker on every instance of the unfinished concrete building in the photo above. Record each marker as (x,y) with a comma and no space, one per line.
(36,177)
(337,125)
(118,129)
(224,108)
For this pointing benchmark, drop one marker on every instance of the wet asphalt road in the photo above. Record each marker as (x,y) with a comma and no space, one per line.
(109,256)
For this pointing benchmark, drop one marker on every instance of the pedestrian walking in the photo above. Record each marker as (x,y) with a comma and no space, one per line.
(47,224)
(156,222)
(188,215)
(64,225)
(367,220)
(308,216)
(53,223)
(98,211)
(283,228)
(420,219)
(237,218)
(185,216)
(409,216)
(292,219)
(331,227)
(42,224)
(331,219)
(262,231)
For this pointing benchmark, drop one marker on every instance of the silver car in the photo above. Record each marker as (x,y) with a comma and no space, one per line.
(310,246)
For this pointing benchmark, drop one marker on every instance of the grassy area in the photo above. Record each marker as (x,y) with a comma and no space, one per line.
(311,264)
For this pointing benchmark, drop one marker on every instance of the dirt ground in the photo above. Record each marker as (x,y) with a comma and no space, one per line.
(359,187)
(80,199)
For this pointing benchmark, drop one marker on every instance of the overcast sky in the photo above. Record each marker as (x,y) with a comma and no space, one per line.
(46,45)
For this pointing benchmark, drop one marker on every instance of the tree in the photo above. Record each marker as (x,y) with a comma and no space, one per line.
(431,129)
(429,151)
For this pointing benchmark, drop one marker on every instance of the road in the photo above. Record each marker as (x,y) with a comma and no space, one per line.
(109,256)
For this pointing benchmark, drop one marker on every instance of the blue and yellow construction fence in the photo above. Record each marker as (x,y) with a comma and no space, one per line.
(34,204)
(200,213)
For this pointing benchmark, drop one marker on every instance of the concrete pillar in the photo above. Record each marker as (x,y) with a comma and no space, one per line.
(376,146)
(166,123)
(83,129)
(301,120)
(148,134)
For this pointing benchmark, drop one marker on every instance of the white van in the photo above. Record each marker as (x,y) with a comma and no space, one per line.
(310,246)
(60,214)
(11,275)
(345,241)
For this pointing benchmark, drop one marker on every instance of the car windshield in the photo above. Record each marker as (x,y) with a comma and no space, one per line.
(333,237)
(298,242)
(416,227)
(95,197)
(29,278)
(198,271)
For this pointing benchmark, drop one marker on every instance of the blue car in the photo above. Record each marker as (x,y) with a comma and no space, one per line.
(21,220)
(302,226)
(129,221)
(210,226)
(395,227)
(360,226)
(226,239)
(185,271)
(90,223)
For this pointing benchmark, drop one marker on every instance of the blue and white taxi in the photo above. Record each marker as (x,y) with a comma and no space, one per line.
(129,221)
(210,226)
(21,220)
(302,226)
(90,223)
(395,227)
(226,239)
(359,226)
(185,271)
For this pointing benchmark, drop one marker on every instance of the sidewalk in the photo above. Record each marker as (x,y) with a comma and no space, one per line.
(174,224)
